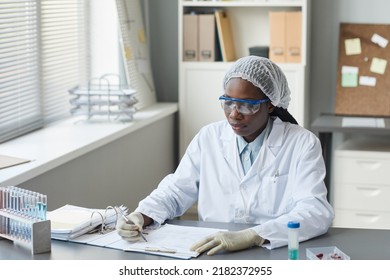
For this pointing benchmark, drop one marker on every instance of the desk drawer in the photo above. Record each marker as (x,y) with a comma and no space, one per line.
(362,197)
(361,219)
(363,170)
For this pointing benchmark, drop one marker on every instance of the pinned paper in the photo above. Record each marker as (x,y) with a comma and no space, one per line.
(378,65)
(141,36)
(353,46)
(377,39)
(367,81)
(349,76)
(128,53)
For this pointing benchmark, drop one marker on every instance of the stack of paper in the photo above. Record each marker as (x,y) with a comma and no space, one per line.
(69,221)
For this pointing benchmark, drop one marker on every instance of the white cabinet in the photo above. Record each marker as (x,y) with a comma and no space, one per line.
(361,189)
(200,83)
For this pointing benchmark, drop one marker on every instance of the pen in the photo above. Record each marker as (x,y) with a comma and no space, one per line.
(151,249)
(127,220)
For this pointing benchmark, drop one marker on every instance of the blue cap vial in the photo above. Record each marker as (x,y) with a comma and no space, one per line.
(293,224)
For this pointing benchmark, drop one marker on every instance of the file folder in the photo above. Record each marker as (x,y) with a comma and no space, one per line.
(207,37)
(277,22)
(190,37)
(293,37)
(285,37)
(225,36)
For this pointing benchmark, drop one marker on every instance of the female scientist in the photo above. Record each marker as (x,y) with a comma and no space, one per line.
(257,166)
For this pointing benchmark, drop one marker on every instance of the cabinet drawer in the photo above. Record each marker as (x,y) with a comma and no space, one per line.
(362,197)
(372,171)
(361,219)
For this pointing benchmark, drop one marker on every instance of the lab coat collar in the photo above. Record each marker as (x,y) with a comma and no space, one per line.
(228,139)
(275,138)
(268,151)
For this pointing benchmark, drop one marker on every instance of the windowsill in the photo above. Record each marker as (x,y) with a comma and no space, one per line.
(64,141)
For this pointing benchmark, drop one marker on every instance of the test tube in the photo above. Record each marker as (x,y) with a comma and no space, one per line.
(42,207)
(1,198)
(5,199)
(293,240)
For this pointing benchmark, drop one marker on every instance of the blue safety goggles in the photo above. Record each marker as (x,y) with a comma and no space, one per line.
(243,106)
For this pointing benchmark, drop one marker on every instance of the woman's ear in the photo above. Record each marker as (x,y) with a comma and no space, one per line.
(270,108)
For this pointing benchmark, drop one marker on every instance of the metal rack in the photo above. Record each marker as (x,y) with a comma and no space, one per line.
(103,98)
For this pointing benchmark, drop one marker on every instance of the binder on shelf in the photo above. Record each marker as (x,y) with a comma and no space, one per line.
(225,36)
(285,37)
(190,37)
(277,50)
(293,37)
(207,42)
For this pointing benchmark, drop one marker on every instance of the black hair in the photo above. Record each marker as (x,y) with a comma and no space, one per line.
(283,114)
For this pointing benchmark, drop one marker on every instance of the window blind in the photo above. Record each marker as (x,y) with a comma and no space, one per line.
(20,104)
(43,53)
(63,53)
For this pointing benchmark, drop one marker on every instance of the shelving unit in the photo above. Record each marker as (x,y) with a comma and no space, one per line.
(200,83)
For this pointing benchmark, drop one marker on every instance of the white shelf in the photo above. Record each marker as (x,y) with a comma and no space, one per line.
(253,3)
(201,82)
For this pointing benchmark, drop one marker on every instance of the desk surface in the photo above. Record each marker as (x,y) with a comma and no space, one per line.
(359,244)
(333,123)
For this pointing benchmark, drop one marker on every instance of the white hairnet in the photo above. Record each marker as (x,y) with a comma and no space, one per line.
(264,74)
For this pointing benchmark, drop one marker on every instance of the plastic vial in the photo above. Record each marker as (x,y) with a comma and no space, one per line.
(293,240)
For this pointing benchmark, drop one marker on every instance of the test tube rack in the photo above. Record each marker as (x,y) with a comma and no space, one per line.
(39,232)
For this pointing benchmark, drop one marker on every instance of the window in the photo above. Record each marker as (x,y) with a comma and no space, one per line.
(43,53)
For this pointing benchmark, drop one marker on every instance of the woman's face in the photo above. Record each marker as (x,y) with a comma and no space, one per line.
(247,126)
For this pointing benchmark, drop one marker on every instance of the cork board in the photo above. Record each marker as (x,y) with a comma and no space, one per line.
(357,51)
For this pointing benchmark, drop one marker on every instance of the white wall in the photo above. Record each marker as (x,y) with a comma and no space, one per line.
(122,172)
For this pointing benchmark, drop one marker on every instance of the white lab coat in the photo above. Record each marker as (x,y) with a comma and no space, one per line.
(284,183)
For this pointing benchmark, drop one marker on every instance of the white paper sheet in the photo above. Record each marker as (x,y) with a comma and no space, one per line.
(362,122)
(172,237)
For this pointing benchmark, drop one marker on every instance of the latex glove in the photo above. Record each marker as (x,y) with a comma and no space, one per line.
(130,230)
(229,240)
